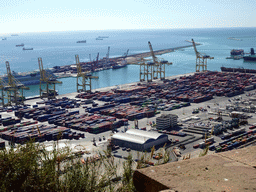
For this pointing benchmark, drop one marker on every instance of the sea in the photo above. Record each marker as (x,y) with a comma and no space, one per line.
(60,48)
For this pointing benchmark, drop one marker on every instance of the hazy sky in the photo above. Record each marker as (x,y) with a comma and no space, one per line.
(54,15)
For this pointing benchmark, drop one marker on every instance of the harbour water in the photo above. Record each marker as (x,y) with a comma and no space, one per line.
(60,48)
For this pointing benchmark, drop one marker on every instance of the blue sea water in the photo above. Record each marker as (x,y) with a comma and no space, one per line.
(60,48)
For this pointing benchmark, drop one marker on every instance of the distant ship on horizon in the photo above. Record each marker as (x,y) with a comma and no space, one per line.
(83,41)
(27,49)
(20,45)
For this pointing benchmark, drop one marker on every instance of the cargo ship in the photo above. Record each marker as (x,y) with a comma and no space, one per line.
(118,66)
(27,49)
(251,57)
(84,41)
(240,70)
(237,52)
(28,78)
(20,45)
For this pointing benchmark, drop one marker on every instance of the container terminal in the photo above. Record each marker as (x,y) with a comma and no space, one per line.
(219,114)
(184,113)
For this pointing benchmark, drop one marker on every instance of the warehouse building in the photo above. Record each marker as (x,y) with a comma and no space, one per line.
(138,139)
(166,121)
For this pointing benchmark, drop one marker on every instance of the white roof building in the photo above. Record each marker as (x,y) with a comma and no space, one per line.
(139,139)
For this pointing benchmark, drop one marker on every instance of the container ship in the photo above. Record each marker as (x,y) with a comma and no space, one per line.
(28,78)
(240,70)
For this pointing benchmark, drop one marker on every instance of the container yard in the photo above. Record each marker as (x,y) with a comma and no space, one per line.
(209,114)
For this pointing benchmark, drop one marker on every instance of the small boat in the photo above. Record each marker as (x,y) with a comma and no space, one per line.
(99,38)
(14,35)
(27,49)
(20,45)
(4,38)
(83,41)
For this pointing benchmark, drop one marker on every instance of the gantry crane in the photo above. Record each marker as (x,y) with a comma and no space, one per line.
(4,87)
(146,70)
(159,65)
(83,78)
(47,82)
(13,88)
(201,59)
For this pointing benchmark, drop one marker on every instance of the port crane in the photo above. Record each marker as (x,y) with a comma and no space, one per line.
(47,82)
(159,65)
(83,78)
(4,87)
(126,53)
(94,63)
(201,59)
(146,70)
(13,88)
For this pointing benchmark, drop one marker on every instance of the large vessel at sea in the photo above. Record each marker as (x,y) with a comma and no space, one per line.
(20,45)
(237,52)
(251,57)
(27,49)
(118,66)
(28,78)
(84,41)
(240,70)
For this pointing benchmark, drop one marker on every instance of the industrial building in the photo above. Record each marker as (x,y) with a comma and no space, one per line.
(138,139)
(166,121)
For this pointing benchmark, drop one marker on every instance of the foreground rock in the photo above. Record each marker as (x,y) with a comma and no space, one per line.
(228,171)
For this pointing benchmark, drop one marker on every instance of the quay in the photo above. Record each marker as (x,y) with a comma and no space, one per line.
(135,58)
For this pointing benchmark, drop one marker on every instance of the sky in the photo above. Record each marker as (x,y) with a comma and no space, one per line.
(17,16)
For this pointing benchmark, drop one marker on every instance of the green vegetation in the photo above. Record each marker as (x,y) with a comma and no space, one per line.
(31,167)
(204,152)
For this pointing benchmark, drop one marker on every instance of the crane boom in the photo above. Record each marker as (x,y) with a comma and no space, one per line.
(201,59)
(152,52)
(194,45)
